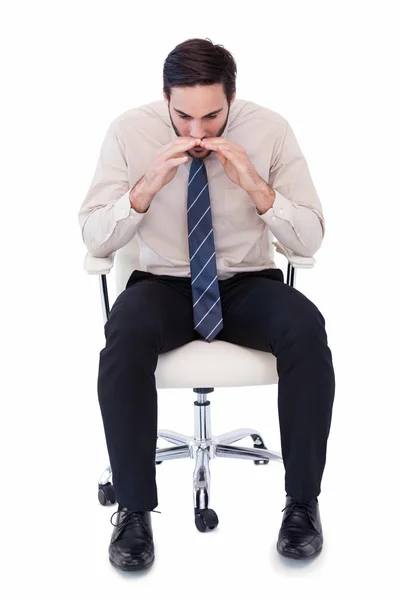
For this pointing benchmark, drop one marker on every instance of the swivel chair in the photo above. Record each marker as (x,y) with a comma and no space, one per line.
(219,364)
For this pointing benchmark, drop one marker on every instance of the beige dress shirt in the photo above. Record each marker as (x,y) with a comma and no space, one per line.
(243,237)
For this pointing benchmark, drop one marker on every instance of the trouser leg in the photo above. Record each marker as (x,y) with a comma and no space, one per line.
(269,315)
(147,319)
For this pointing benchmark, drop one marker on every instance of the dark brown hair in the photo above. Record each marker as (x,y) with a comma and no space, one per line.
(199,62)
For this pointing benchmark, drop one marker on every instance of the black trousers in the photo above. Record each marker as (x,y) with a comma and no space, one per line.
(154,315)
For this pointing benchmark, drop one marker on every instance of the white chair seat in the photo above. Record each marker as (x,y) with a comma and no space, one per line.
(215,364)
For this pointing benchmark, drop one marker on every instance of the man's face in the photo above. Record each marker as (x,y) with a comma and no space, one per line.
(199,112)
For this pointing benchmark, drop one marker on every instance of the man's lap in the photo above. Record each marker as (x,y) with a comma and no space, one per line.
(257,307)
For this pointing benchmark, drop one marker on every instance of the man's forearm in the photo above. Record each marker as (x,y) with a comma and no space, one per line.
(140,200)
(264,198)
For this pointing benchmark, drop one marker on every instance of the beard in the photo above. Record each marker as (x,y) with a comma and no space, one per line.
(192,153)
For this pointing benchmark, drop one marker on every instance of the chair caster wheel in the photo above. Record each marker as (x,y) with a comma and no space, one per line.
(159,462)
(205,519)
(106,494)
(257,445)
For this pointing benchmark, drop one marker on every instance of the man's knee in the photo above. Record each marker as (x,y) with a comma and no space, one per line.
(304,322)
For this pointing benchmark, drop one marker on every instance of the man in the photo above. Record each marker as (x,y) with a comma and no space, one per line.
(204,180)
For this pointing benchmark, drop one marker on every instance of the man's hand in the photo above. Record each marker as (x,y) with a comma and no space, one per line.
(166,163)
(240,170)
(162,170)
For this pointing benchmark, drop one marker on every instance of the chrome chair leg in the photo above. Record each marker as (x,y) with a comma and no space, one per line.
(201,479)
(173,437)
(236,435)
(225,451)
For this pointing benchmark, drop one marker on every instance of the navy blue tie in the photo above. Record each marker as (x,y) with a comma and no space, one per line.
(207,311)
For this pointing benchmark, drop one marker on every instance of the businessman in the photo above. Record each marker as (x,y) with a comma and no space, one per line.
(204,181)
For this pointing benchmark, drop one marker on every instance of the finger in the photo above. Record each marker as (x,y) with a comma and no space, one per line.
(219,148)
(213,141)
(221,157)
(234,158)
(185,143)
(224,147)
(173,162)
(223,142)
(187,140)
(180,146)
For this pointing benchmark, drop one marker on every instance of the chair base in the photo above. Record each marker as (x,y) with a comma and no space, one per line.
(203,447)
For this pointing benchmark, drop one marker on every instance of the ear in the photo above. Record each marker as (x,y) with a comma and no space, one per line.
(165,97)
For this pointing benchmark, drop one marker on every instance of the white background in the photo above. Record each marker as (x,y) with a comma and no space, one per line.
(68,69)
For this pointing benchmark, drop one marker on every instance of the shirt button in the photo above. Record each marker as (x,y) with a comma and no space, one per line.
(131,217)
(281,211)
(274,218)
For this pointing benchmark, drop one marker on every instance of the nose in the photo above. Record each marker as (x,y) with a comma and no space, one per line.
(197,131)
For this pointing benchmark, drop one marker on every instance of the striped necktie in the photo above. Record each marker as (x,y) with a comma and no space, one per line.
(207,311)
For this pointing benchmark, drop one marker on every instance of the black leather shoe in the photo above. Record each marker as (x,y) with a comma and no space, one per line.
(131,547)
(300,535)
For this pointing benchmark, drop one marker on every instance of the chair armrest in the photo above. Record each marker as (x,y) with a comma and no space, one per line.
(300,262)
(98,266)
(101,266)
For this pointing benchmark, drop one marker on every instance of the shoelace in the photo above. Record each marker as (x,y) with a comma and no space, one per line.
(130,518)
(303,507)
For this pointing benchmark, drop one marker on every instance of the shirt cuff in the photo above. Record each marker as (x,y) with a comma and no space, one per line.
(282,208)
(123,209)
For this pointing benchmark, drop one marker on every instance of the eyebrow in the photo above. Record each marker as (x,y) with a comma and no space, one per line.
(214,112)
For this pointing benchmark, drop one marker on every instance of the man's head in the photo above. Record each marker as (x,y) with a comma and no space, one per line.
(199,88)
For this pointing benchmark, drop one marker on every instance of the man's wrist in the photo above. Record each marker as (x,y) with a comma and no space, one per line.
(264,197)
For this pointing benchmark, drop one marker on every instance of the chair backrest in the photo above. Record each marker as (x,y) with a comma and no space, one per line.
(126,260)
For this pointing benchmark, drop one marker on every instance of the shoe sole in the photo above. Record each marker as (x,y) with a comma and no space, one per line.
(292,556)
(141,568)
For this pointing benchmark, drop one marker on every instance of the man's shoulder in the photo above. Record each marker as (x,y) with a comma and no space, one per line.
(246,110)
(151,114)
